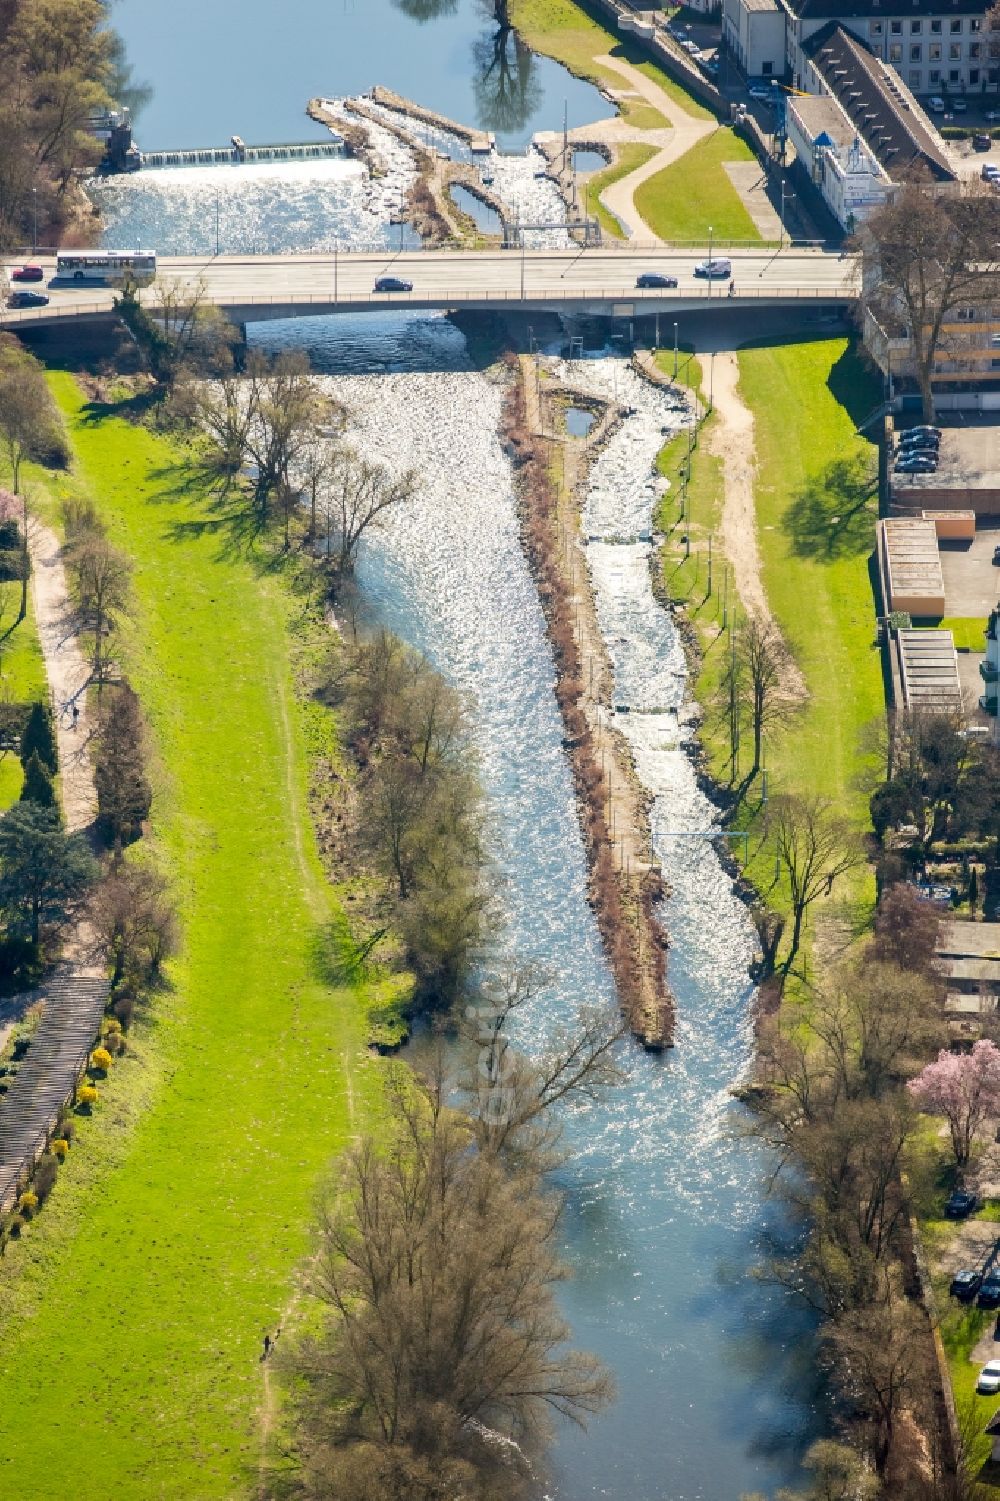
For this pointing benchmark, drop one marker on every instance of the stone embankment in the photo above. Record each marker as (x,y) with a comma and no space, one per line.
(625,884)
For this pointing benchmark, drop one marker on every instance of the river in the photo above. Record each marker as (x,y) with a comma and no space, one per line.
(665,1200)
(665,1203)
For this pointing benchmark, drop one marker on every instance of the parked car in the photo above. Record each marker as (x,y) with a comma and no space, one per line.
(393,284)
(996,557)
(924,427)
(981,141)
(27,273)
(915,464)
(914,438)
(965,1285)
(959,106)
(936,105)
(715,269)
(989,1379)
(27,299)
(759,92)
(992,116)
(960,1204)
(989,1291)
(989,169)
(655,279)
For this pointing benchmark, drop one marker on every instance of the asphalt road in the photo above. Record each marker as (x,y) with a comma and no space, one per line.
(453,278)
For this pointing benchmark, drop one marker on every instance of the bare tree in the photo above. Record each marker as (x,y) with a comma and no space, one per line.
(102,575)
(443,1348)
(134,921)
(760,662)
(359,493)
(28,429)
(924,257)
(879,1358)
(814,848)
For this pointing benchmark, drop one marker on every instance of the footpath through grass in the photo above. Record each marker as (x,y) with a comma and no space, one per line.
(631,155)
(132,1313)
(694,193)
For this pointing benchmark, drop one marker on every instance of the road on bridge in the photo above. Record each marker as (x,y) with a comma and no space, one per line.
(446,279)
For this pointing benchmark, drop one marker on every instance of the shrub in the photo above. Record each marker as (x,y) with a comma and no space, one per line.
(100,1059)
(27,1202)
(60,1147)
(45,1176)
(12,563)
(37,786)
(39,737)
(111,1026)
(87,1095)
(67,1128)
(124,1007)
(15,1224)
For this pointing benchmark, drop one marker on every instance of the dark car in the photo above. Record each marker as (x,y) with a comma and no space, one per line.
(965,1285)
(28,273)
(921,448)
(924,427)
(996,557)
(981,141)
(27,299)
(655,279)
(960,1204)
(393,284)
(919,438)
(989,1291)
(915,465)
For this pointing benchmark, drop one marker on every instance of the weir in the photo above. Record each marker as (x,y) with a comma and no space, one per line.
(237,154)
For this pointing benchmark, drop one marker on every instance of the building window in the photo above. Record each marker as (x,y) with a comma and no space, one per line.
(965,314)
(954,76)
(973,78)
(995,364)
(895,52)
(915,28)
(975,23)
(995,341)
(916,53)
(955,51)
(993,75)
(936,28)
(934,76)
(955,25)
(896,27)
(914,78)
(934,52)
(766,69)
(975,49)
(875,28)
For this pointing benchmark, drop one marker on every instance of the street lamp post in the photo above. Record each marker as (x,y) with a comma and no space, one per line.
(781,218)
(521,227)
(675,351)
(216,221)
(710,260)
(336,269)
(34,232)
(711,383)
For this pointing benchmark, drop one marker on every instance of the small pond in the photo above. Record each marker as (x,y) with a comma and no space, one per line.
(579,421)
(486,219)
(588,161)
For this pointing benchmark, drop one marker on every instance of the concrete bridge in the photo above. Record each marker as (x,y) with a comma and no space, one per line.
(591,281)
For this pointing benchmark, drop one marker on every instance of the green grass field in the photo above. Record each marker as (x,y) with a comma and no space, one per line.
(693,193)
(22,678)
(132,1312)
(631,155)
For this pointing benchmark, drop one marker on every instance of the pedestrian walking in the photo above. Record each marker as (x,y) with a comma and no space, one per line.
(76,714)
(267,1347)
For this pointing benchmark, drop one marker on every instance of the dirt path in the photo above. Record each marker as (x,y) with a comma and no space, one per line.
(67,673)
(731,439)
(684,132)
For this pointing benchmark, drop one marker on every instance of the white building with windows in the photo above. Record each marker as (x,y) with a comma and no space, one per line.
(837,160)
(755,34)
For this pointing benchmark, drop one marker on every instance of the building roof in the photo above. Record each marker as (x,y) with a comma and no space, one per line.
(912,561)
(821,114)
(967,940)
(760,5)
(881,108)
(829,10)
(928,665)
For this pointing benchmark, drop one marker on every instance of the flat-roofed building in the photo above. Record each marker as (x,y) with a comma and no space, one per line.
(913,580)
(755,32)
(928,670)
(830,149)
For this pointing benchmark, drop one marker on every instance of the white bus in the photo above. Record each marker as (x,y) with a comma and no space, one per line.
(105,265)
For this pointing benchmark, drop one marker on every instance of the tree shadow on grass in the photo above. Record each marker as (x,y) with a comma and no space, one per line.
(834,514)
(130,408)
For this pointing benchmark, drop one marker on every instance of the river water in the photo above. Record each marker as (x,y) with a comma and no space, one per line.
(665,1201)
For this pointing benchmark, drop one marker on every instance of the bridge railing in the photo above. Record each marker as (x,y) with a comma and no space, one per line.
(454,299)
(615,247)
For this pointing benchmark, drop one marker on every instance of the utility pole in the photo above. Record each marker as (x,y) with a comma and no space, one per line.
(676,351)
(709,260)
(711,383)
(336,246)
(34,232)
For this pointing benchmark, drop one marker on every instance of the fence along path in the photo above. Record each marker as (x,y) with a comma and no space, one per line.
(75,994)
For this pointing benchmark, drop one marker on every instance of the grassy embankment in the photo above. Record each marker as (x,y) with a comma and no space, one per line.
(815,534)
(630,156)
(132,1312)
(22,679)
(694,193)
(680,202)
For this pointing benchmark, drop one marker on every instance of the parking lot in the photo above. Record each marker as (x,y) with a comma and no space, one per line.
(971,582)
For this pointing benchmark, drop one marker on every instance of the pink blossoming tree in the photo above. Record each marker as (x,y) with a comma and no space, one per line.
(965,1089)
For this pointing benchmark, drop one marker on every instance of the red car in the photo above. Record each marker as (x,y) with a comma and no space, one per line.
(28,273)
